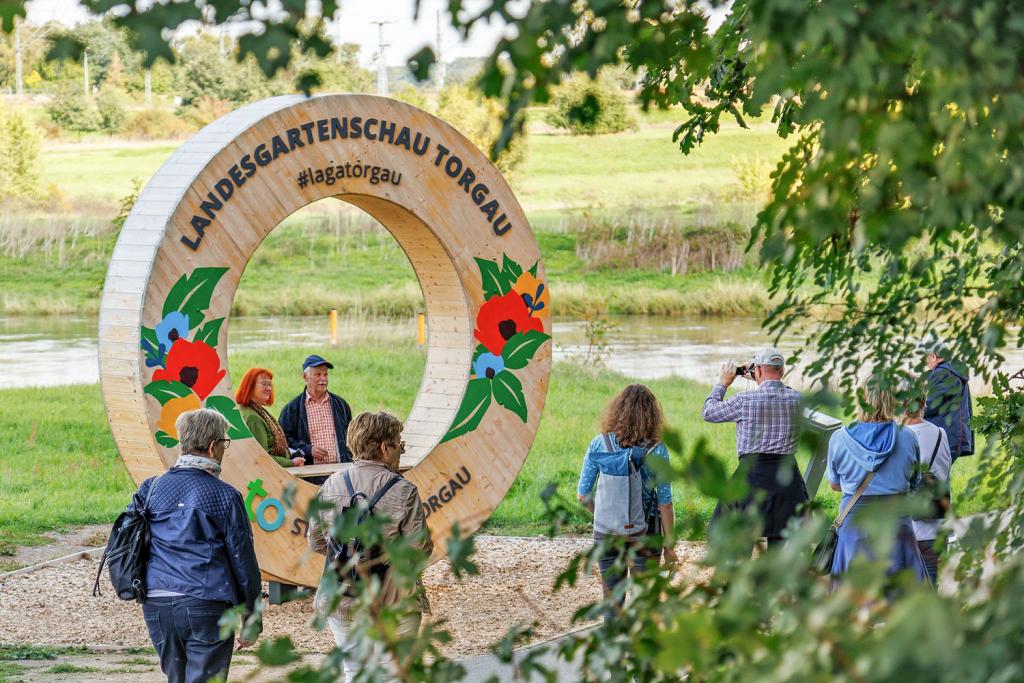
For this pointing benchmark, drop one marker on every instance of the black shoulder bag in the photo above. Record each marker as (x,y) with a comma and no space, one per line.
(825,552)
(127,551)
(346,557)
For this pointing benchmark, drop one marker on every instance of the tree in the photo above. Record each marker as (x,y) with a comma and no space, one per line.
(897,208)
(72,110)
(205,73)
(19,156)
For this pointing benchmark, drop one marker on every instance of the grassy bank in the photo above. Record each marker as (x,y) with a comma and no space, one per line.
(319,260)
(59,466)
(626,225)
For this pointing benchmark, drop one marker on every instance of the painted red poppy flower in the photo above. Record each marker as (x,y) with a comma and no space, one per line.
(194,364)
(500,318)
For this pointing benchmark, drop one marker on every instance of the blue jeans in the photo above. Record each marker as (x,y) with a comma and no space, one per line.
(187,638)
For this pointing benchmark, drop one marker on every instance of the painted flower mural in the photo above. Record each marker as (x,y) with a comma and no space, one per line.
(183,349)
(510,329)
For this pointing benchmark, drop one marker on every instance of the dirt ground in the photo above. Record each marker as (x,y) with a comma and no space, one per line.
(74,541)
(54,606)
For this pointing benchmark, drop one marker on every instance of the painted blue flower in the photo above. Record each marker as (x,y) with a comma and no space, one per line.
(488,365)
(172,328)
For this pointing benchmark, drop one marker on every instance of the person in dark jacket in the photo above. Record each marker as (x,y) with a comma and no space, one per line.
(201,558)
(316,420)
(949,399)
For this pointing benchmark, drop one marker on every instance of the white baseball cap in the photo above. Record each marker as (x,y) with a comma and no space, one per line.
(769,355)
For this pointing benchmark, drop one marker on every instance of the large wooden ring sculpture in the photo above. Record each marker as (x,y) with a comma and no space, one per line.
(180,255)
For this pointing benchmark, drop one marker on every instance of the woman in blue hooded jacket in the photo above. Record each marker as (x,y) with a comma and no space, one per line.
(874,443)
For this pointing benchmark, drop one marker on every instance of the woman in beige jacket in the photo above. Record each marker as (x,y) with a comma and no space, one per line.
(375,441)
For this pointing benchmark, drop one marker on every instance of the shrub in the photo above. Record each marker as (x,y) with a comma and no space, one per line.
(155,124)
(479,119)
(205,111)
(72,110)
(111,108)
(590,107)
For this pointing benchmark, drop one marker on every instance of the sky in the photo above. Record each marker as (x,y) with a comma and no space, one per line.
(404,36)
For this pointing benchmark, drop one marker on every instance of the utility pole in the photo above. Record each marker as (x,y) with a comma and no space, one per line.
(85,63)
(147,80)
(440,55)
(17,58)
(20,43)
(382,62)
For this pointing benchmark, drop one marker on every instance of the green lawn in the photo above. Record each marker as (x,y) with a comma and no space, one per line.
(636,169)
(101,170)
(59,466)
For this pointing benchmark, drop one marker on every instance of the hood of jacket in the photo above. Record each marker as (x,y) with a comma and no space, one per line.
(957,370)
(869,443)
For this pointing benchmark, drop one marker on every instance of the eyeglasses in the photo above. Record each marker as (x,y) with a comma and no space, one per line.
(265,385)
(226,442)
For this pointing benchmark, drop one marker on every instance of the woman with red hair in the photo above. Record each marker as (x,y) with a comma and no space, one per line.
(255,392)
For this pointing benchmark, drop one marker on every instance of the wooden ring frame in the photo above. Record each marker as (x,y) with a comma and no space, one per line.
(179,257)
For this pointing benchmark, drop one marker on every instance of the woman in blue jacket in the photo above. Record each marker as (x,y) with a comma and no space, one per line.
(876,444)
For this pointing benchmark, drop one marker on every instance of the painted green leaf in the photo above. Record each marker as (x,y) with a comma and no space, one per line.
(191,294)
(510,270)
(491,278)
(165,440)
(478,351)
(521,347)
(226,407)
(474,405)
(508,392)
(149,334)
(163,391)
(209,332)
(533,271)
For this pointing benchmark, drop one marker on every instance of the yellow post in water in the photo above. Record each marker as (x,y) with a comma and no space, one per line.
(334,326)
(421,329)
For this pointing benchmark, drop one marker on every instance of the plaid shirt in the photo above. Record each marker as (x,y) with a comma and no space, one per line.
(767,419)
(320,421)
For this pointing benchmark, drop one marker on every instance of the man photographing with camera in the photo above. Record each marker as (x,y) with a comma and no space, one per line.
(767,421)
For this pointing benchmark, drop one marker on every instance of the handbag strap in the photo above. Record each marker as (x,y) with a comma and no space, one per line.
(853,501)
(935,451)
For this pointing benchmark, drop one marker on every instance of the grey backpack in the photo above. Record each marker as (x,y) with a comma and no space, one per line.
(619,502)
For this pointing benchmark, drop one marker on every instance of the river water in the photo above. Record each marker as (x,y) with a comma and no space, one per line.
(48,351)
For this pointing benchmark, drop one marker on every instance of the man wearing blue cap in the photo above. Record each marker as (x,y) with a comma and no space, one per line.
(316,420)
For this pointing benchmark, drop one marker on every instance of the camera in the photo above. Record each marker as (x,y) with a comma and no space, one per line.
(745,370)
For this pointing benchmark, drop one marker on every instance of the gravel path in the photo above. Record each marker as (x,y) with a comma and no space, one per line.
(54,605)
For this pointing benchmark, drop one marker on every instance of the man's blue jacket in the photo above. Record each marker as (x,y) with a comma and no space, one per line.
(202,541)
(949,407)
(295,425)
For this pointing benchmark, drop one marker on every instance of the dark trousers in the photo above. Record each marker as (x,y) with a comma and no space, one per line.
(612,575)
(931,560)
(187,638)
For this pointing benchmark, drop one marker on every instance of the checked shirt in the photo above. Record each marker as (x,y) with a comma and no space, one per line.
(767,419)
(320,421)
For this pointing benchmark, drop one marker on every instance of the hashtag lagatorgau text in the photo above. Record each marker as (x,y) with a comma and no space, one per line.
(328,175)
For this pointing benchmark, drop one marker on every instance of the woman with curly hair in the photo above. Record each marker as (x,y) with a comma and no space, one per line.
(254,394)
(618,461)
